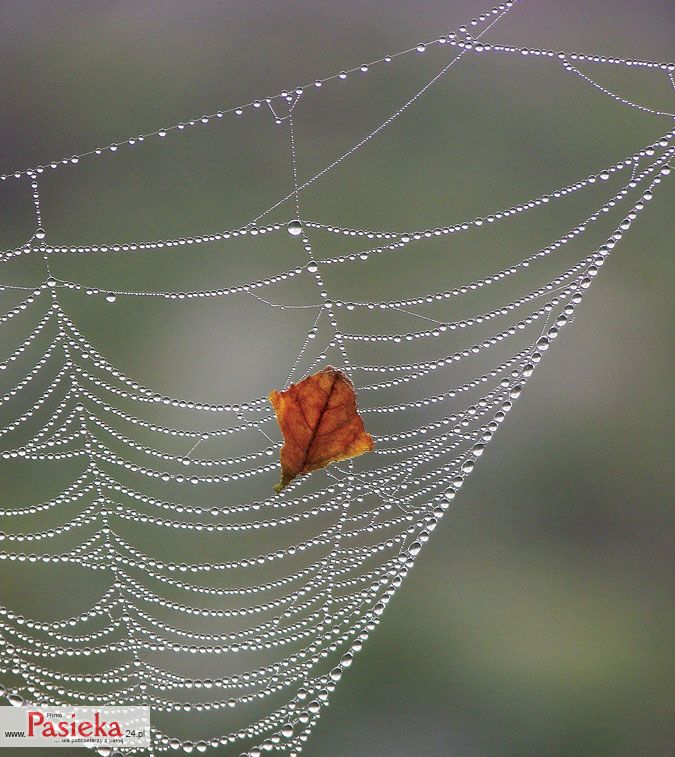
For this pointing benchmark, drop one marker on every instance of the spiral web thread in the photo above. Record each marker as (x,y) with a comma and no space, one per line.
(321,596)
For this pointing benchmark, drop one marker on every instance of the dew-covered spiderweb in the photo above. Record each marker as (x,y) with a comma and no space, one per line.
(160,567)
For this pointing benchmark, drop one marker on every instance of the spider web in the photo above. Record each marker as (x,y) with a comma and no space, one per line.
(244,651)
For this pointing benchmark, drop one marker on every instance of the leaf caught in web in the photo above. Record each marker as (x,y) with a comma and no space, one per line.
(320,423)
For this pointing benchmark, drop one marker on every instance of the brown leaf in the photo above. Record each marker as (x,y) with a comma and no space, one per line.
(320,424)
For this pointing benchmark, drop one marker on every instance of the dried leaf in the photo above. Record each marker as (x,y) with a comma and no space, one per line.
(320,423)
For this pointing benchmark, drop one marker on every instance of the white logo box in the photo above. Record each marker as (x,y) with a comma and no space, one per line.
(96,727)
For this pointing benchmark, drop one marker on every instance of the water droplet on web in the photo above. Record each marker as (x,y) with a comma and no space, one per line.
(110,298)
(294,228)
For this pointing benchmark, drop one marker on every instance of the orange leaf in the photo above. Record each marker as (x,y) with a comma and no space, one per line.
(320,424)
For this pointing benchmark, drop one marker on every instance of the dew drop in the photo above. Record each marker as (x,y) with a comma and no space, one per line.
(336,674)
(294,228)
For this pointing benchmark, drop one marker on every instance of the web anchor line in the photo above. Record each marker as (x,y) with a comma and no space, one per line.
(459,38)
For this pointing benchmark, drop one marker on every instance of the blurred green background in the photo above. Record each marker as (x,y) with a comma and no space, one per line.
(538,620)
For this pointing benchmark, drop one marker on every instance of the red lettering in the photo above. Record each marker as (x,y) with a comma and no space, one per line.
(34,718)
(48,729)
(99,726)
(115,729)
(84,729)
(52,729)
